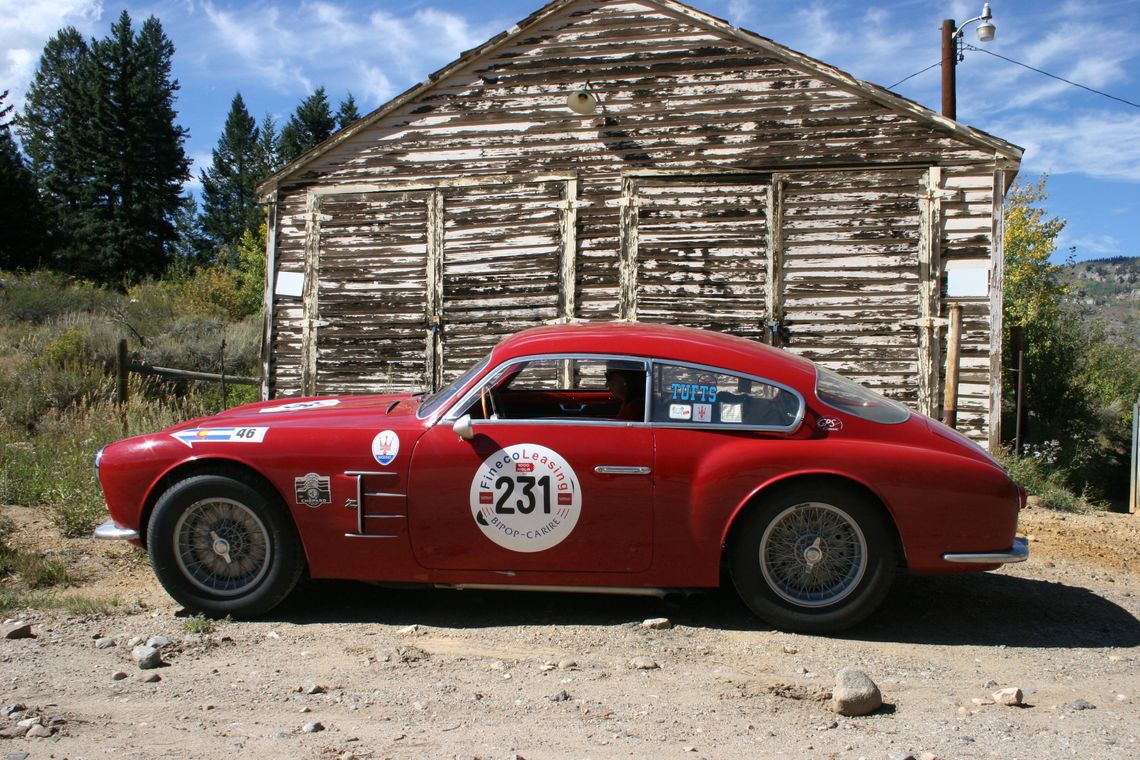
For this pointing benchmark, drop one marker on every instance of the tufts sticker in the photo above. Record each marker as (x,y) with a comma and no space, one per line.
(221,435)
(680,412)
(313,490)
(385,447)
(298,406)
(526,498)
(831,424)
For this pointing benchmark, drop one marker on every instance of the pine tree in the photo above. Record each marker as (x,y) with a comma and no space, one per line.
(347,113)
(191,246)
(269,158)
(23,240)
(310,124)
(102,131)
(52,141)
(229,185)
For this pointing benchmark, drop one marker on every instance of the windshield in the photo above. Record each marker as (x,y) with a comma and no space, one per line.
(431,404)
(847,396)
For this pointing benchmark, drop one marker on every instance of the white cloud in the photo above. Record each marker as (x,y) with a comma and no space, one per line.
(1101,245)
(1103,145)
(26,26)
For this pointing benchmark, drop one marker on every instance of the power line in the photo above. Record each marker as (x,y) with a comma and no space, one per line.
(1054,76)
(912,76)
(1024,65)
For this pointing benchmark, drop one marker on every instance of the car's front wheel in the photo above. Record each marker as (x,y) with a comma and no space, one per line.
(813,558)
(223,545)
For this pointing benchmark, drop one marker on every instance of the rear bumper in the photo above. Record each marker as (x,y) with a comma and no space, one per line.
(1019,552)
(110,531)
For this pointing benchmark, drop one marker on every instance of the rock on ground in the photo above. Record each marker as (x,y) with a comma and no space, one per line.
(855,693)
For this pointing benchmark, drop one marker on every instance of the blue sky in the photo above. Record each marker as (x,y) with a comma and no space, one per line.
(276,53)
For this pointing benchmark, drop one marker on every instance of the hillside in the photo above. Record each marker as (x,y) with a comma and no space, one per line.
(1109,289)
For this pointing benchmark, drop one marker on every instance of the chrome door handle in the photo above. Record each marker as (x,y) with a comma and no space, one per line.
(612,469)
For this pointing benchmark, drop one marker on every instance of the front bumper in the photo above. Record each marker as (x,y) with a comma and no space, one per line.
(1019,552)
(110,531)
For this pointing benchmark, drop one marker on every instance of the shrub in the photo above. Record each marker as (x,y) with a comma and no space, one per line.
(42,296)
(67,348)
(1039,473)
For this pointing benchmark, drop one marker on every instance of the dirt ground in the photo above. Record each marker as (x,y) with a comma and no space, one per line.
(426,674)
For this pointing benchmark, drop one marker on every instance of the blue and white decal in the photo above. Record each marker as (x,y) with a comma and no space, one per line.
(694,392)
(386,447)
(221,435)
(297,406)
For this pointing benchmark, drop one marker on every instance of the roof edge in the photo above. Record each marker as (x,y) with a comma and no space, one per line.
(273,181)
(872,91)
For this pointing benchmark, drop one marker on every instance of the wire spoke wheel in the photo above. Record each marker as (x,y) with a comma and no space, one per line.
(221,546)
(813,554)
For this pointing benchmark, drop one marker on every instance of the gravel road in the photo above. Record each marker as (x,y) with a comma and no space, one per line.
(346,670)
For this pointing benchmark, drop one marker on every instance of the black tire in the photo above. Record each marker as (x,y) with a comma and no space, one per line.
(224,545)
(813,558)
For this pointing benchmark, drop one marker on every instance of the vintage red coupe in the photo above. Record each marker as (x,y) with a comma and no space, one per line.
(575,457)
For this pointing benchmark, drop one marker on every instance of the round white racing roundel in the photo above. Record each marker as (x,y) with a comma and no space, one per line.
(526,498)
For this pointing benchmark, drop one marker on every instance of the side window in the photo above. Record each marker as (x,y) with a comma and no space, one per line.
(565,388)
(707,397)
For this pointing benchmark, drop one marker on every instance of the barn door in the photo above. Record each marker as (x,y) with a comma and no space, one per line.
(371,287)
(851,275)
(700,256)
(501,268)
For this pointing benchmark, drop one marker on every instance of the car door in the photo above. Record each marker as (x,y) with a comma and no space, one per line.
(561,492)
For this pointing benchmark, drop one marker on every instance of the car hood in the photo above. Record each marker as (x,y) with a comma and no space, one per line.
(308,411)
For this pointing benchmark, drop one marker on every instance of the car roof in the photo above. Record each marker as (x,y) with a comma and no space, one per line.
(669,342)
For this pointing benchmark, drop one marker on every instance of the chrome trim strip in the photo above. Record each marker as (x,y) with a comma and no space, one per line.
(618,591)
(613,469)
(388,495)
(368,535)
(1019,552)
(383,517)
(110,531)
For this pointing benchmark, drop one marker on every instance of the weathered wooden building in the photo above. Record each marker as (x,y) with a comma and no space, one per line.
(716,179)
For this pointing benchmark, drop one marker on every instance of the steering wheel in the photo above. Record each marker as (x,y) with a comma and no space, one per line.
(488,402)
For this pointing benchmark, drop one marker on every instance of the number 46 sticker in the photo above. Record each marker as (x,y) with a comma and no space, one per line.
(526,498)
(221,435)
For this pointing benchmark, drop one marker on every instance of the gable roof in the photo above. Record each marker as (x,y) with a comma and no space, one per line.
(816,67)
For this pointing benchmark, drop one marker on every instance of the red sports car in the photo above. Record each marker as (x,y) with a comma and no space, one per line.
(576,457)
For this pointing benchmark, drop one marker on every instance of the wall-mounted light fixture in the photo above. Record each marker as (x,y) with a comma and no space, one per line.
(582,102)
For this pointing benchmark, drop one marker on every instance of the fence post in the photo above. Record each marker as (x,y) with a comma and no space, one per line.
(1017,355)
(225,398)
(1134,493)
(953,352)
(122,369)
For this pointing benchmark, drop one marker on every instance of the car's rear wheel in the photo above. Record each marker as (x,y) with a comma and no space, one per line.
(813,558)
(223,545)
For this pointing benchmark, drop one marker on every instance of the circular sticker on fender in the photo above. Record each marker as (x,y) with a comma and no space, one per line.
(526,498)
(385,447)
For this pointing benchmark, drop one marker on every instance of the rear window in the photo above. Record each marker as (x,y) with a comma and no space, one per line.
(705,397)
(840,393)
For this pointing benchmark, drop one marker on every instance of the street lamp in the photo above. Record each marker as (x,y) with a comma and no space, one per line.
(952,53)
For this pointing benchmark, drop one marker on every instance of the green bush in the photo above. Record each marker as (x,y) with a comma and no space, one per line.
(40,389)
(1039,473)
(42,296)
(68,348)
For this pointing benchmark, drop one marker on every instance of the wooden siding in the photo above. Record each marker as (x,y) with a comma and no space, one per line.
(501,266)
(372,294)
(682,105)
(701,257)
(851,275)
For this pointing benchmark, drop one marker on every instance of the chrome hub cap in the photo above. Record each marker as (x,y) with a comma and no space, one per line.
(813,555)
(221,546)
